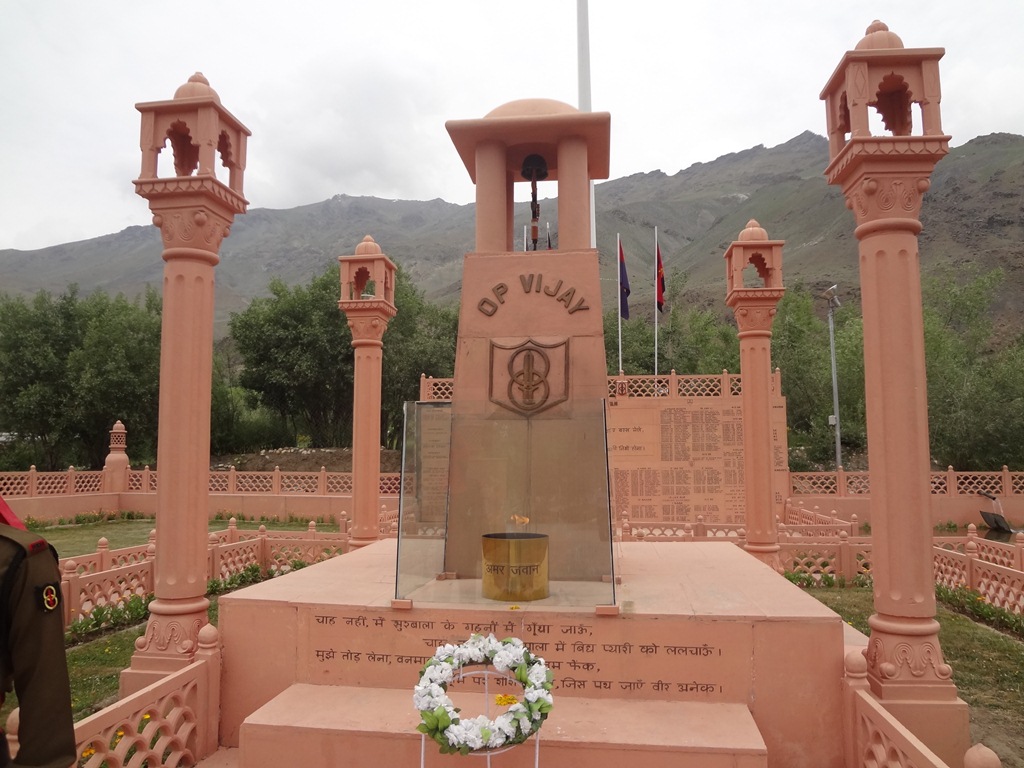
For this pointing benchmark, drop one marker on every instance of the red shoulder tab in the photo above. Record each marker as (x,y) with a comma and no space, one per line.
(37,546)
(32,543)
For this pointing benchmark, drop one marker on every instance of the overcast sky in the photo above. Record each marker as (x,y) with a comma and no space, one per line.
(351,97)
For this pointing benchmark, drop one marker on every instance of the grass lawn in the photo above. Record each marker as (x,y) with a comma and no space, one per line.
(75,540)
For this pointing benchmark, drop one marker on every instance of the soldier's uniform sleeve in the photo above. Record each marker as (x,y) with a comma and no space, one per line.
(35,645)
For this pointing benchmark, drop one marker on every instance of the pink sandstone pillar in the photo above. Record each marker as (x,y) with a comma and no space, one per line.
(755,308)
(368,316)
(884,179)
(194,211)
(116,465)
(573,205)
(493,198)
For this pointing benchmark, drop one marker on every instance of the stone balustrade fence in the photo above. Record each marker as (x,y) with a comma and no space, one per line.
(109,577)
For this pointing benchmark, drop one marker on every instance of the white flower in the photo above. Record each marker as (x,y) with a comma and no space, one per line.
(503,661)
(538,673)
(444,652)
(429,697)
(506,724)
(535,694)
(497,737)
(438,673)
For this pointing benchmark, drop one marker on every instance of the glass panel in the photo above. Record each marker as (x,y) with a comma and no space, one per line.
(424,496)
(528,518)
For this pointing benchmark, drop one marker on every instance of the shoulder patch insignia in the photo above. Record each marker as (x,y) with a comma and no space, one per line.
(37,546)
(48,597)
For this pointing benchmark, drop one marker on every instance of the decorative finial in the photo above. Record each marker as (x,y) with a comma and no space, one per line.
(367,247)
(197,87)
(753,231)
(878,36)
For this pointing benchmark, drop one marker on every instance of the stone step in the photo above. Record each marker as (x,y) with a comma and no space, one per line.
(316,726)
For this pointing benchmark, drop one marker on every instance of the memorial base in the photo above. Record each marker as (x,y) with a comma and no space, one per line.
(713,660)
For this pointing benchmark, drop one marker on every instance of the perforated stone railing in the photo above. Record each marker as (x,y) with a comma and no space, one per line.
(881,740)
(273,482)
(948,483)
(671,385)
(111,577)
(169,724)
(641,531)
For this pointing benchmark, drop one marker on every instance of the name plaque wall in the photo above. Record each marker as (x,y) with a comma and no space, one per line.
(674,459)
(593,657)
(434,444)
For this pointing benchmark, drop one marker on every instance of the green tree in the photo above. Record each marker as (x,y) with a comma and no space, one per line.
(975,380)
(800,349)
(36,338)
(297,357)
(115,373)
(697,341)
(637,345)
(296,350)
(420,340)
(71,367)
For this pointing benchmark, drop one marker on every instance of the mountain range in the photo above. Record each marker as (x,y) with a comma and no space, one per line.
(972,216)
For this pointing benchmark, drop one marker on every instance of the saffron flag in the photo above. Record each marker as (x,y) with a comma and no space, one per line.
(623,285)
(660,283)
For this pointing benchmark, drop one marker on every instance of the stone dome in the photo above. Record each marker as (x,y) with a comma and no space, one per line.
(753,231)
(878,37)
(197,87)
(367,247)
(532,108)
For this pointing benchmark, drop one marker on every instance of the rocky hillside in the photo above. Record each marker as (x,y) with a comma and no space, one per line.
(972,216)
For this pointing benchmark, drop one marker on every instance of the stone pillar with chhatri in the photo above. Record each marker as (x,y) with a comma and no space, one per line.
(368,301)
(528,448)
(754,307)
(194,211)
(884,179)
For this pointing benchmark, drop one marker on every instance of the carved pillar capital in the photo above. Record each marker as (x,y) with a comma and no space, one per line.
(193,212)
(755,309)
(886,177)
(368,320)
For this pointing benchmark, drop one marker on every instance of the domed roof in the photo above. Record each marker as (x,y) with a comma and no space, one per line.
(753,231)
(367,247)
(878,37)
(532,108)
(197,87)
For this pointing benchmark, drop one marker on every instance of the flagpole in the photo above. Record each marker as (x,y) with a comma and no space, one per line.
(583,70)
(655,302)
(618,280)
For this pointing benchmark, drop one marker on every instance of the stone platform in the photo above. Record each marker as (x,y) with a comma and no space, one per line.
(711,654)
(301,726)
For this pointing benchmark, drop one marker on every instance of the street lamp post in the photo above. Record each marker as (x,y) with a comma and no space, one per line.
(833,304)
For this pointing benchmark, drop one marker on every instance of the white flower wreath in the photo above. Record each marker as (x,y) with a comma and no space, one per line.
(440,718)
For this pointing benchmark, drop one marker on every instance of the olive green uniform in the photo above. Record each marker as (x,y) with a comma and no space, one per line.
(32,654)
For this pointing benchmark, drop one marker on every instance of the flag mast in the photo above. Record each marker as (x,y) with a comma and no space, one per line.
(583,70)
(655,302)
(618,280)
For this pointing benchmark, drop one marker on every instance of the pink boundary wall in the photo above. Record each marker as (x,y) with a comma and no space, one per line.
(328,495)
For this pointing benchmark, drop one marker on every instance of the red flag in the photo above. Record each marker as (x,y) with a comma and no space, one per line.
(660,283)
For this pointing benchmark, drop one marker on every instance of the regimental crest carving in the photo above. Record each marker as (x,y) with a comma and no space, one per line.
(529,377)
